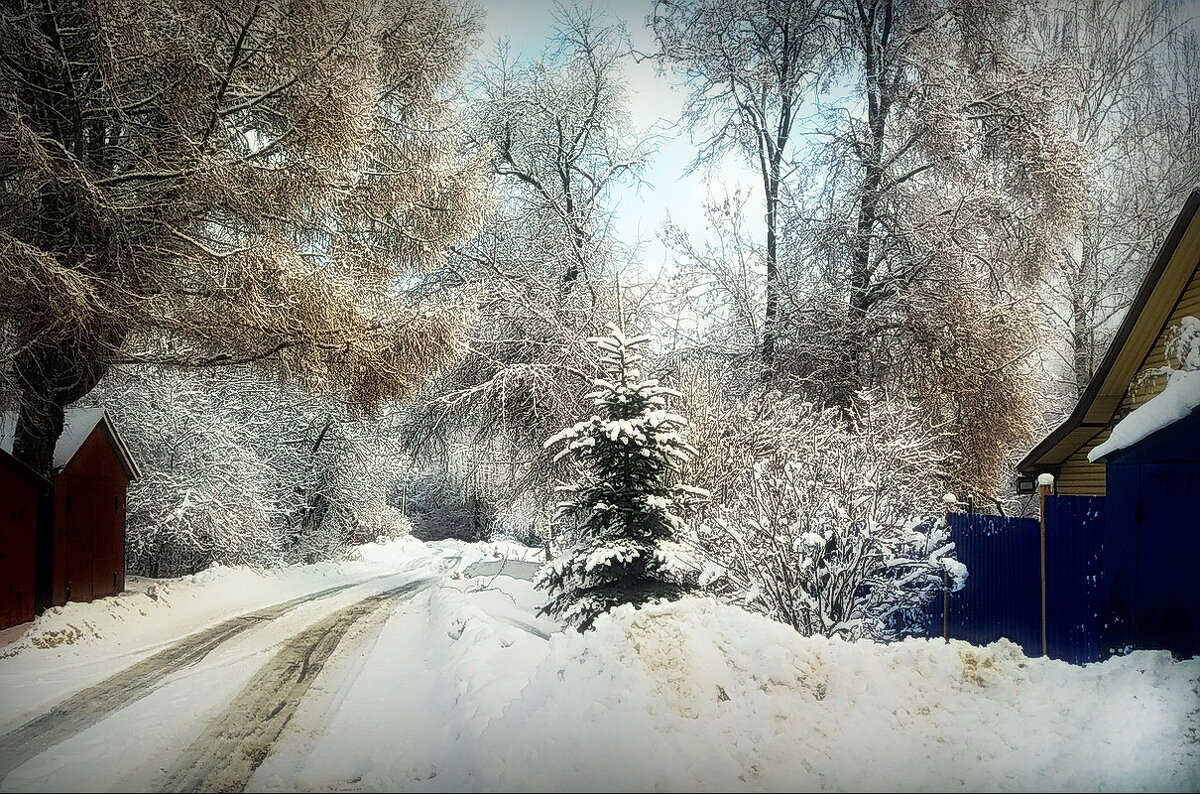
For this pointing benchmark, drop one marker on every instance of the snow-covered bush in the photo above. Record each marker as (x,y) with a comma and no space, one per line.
(826,521)
(238,469)
(625,498)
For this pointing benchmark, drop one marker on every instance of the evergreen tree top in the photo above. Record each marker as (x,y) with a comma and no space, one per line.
(631,410)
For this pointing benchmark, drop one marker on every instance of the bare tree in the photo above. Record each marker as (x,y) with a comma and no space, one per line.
(545,264)
(957,152)
(1128,76)
(751,64)
(719,279)
(224,182)
(935,179)
(561,132)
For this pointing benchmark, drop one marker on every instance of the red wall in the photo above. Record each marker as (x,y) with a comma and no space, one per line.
(18,532)
(89,523)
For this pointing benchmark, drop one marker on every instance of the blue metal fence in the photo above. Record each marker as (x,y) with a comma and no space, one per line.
(1075,597)
(1003,593)
(1002,597)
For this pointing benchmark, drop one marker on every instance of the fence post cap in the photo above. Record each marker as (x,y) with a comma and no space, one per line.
(950,499)
(1045,478)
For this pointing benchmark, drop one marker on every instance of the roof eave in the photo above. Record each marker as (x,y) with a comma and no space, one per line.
(1036,460)
(131,467)
(25,467)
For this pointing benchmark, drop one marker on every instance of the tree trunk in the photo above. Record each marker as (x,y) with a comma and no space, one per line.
(37,432)
(1082,336)
(860,300)
(50,377)
(771,318)
(1083,330)
(54,369)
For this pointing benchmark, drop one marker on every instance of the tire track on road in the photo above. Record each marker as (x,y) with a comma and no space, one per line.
(236,743)
(89,706)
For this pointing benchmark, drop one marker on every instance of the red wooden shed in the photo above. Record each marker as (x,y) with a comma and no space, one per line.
(85,531)
(24,496)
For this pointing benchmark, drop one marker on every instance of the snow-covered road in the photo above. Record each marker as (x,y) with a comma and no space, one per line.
(425,668)
(234,744)
(96,702)
(199,712)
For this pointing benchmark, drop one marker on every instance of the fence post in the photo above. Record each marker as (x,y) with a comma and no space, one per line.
(1045,489)
(950,501)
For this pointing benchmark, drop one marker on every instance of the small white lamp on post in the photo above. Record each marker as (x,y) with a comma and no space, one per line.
(1045,490)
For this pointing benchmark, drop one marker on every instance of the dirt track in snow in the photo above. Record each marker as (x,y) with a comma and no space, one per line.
(236,742)
(91,705)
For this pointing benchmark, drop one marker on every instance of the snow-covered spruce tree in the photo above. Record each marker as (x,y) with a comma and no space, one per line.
(625,498)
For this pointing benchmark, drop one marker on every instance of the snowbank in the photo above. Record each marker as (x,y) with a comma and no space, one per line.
(464,688)
(1178,399)
(699,696)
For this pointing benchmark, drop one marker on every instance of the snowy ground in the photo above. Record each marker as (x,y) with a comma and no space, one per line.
(400,672)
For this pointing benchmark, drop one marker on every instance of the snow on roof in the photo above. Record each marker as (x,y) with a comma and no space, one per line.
(78,424)
(1175,402)
(1159,294)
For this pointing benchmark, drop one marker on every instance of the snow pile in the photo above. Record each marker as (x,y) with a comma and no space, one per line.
(385,554)
(1178,399)
(488,551)
(695,695)
(483,648)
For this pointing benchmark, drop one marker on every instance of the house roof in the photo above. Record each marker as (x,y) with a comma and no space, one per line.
(1176,402)
(1169,275)
(78,425)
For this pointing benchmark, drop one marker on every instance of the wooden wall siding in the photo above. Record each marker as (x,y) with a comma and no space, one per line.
(89,526)
(1144,385)
(18,537)
(1077,476)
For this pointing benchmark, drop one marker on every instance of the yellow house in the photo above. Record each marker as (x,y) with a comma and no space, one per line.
(1127,377)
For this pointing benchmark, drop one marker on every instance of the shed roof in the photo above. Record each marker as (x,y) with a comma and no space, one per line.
(78,426)
(1169,275)
(7,456)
